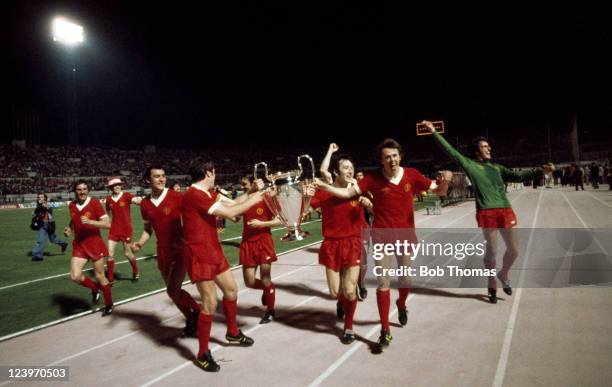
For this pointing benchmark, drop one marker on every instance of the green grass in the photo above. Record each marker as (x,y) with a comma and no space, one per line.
(33,304)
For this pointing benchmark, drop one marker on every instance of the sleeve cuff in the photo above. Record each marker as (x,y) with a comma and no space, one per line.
(357,189)
(433,185)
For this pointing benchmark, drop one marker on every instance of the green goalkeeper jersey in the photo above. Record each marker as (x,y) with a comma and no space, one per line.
(487,178)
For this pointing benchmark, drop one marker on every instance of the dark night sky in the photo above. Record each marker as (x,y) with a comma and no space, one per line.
(257,75)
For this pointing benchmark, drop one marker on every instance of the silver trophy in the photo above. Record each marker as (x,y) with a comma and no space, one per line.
(288,204)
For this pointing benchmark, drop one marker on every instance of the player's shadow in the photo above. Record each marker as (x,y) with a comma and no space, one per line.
(231,243)
(445,293)
(321,321)
(312,249)
(69,305)
(303,290)
(153,328)
(45,254)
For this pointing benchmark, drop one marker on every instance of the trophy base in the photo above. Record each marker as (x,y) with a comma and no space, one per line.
(292,236)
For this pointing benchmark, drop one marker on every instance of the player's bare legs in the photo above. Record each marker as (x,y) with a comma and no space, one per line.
(490,235)
(225,281)
(129,254)
(333,283)
(510,236)
(184,302)
(76,275)
(269,292)
(110,263)
(383,300)
(350,276)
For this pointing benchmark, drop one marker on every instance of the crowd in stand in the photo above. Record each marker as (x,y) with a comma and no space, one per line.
(53,169)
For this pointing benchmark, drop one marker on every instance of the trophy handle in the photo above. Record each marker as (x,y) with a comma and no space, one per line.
(265,169)
(311,164)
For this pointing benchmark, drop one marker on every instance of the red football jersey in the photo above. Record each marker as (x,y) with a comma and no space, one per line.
(119,209)
(342,218)
(393,203)
(164,216)
(199,226)
(259,211)
(92,209)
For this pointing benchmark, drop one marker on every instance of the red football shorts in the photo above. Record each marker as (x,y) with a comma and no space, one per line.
(92,248)
(338,254)
(201,267)
(167,257)
(257,252)
(496,218)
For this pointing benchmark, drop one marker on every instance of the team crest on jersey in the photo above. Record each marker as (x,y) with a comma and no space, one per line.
(407,187)
(167,210)
(354,203)
(87,215)
(122,204)
(259,211)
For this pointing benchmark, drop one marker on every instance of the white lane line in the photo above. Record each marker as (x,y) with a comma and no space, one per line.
(328,372)
(216,347)
(120,262)
(584,224)
(598,199)
(335,365)
(502,364)
(52,323)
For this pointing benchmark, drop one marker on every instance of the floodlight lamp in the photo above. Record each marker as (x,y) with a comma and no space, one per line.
(66,32)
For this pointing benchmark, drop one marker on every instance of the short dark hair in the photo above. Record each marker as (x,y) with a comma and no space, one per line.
(147,173)
(249,176)
(476,144)
(198,169)
(79,182)
(335,162)
(42,193)
(388,143)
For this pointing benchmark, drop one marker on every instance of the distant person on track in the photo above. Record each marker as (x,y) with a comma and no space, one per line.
(161,213)
(257,247)
(87,217)
(118,205)
(44,223)
(206,263)
(393,188)
(342,249)
(578,176)
(493,210)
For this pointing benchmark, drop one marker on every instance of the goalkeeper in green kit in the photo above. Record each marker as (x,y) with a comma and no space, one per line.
(493,210)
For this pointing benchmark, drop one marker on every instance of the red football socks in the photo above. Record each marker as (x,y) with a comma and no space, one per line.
(383,299)
(132,261)
(230,311)
(270,296)
(204,326)
(110,268)
(403,296)
(88,283)
(106,291)
(349,313)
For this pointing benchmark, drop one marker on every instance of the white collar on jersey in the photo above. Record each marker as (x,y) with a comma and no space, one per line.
(201,188)
(85,203)
(157,201)
(396,179)
(117,197)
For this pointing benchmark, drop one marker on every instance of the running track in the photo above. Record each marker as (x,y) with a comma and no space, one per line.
(550,337)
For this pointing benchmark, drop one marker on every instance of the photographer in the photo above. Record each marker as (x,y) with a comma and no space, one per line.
(43,222)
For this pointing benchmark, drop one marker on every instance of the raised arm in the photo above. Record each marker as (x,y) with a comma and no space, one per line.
(231,210)
(324,168)
(446,147)
(256,223)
